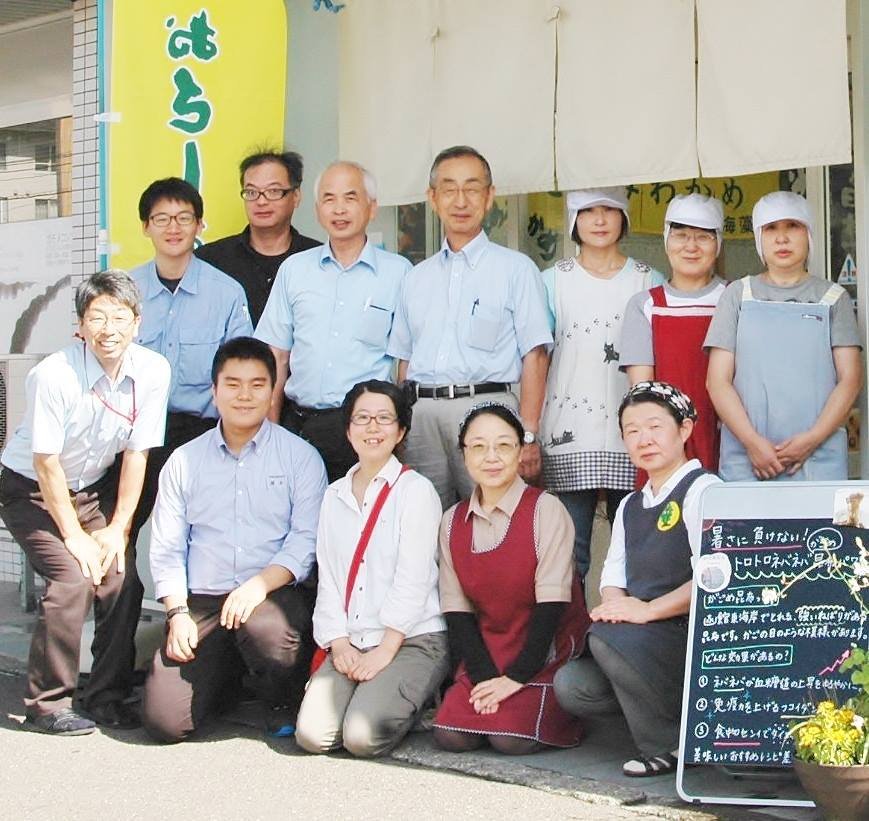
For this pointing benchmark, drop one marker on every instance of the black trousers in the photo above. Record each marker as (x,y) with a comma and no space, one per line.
(324,429)
(52,671)
(275,644)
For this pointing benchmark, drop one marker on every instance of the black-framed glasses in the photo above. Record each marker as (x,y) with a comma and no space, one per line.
(185,218)
(271,194)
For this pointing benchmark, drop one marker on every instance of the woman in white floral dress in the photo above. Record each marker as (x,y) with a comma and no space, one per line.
(586,296)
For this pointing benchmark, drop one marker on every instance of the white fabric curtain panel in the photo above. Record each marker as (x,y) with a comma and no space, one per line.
(494,81)
(625,100)
(386,89)
(772,85)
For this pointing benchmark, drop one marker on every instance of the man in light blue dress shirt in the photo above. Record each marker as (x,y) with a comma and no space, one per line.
(188,309)
(72,474)
(470,322)
(233,539)
(329,316)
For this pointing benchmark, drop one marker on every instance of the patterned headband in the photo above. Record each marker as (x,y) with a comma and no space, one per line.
(680,402)
(483,406)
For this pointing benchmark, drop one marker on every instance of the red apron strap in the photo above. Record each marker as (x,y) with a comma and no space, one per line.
(659,299)
(365,537)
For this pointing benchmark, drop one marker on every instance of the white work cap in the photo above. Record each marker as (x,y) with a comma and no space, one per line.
(697,211)
(781,205)
(589,197)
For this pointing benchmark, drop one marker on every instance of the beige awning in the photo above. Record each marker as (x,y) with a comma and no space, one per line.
(582,93)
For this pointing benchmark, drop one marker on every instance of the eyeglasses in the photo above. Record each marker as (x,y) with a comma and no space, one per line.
(185,218)
(362,418)
(480,450)
(450,191)
(680,238)
(271,194)
(98,322)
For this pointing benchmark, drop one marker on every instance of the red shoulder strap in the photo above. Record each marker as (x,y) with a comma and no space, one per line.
(659,299)
(365,537)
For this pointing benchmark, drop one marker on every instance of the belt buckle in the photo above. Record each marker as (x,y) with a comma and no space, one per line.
(451,391)
(471,391)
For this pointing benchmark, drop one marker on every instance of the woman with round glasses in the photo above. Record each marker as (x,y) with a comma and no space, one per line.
(636,645)
(664,329)
(514,609)
(377,612)
(583,454)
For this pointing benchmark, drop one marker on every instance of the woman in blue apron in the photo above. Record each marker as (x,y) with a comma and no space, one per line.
(784,360)
(635,658)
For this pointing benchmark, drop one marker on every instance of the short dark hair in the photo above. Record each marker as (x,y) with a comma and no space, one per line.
(574,232)
(170,188)
(645,398)
(492,409)
(453,153)
(403,399)
(114,283)
(288,159)
(244,347)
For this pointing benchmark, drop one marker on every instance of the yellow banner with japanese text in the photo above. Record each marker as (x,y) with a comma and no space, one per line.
(648,203)
(197,86)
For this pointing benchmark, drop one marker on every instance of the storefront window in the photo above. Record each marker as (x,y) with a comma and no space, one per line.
(36,170)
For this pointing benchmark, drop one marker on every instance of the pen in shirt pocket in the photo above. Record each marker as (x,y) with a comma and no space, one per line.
(475,306)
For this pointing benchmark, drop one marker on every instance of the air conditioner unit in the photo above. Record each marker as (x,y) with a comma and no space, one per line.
(13,402)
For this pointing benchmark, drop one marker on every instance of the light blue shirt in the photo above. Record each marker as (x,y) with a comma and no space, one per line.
(335,320)
(470,316)
(76,412)
(187,327)
(220,518)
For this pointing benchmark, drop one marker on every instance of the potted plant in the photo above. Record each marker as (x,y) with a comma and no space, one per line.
(832,748)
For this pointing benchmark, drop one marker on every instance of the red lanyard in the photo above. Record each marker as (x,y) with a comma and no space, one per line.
(128,417)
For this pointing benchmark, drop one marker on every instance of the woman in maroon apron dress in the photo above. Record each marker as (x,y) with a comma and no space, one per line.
(515,612)
(665,327)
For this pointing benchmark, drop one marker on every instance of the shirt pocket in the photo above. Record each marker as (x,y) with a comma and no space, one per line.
(483,329)
(196,350)
(374,324)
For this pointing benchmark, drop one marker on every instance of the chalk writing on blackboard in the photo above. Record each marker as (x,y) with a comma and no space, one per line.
(767,642)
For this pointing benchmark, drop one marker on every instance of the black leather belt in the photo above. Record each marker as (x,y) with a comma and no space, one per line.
(460,391)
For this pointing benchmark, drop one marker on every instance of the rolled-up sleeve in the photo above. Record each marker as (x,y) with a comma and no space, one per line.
(298,551)
(170,531)
(415,570)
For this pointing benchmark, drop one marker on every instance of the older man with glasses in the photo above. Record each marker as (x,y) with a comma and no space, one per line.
(189,309)
(71,478)
(271,183)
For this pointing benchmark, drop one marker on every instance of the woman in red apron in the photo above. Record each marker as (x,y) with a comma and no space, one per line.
(664,328)
(515,612)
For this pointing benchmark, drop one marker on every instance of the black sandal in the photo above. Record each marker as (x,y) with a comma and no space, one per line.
(642,767)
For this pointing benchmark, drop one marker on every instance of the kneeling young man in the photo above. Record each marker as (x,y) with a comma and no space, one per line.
(233,538)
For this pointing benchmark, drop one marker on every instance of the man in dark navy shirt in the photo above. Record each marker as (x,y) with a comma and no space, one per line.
(271,189)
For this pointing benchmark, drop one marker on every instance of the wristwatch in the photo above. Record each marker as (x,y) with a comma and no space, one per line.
(182,608)
(529,437)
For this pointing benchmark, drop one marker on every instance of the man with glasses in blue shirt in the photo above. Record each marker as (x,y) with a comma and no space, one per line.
(271,183)
(71,478)
(189,309)
(329,316)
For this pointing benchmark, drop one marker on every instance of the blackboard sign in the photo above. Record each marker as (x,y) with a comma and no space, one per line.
(777,605)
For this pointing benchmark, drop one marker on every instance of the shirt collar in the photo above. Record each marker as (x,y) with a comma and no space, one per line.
(244,237)
(94,371)
(389,473)
(472,252)
(507,504)
(189,279)
(257,443)
(667,488)
(366,257)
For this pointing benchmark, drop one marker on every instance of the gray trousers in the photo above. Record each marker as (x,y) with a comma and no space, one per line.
(432,446)
(370,718)
(607,683)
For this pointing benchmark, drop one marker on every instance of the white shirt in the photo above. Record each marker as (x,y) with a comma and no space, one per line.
(75,411)
(397,581)
(613,574)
